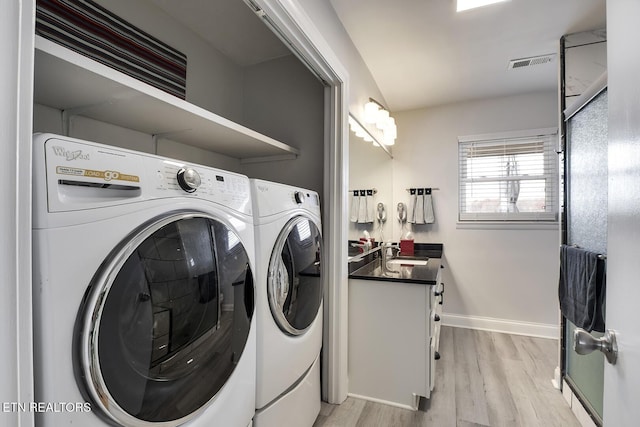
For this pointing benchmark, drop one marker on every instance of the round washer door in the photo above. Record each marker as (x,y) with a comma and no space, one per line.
(294,283)
(166,320)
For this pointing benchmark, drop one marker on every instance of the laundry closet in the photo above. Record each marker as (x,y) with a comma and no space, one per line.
(149,118)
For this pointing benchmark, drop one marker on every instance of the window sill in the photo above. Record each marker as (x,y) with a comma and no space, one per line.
(507,225)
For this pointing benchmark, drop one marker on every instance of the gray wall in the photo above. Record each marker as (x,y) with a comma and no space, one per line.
(284,100)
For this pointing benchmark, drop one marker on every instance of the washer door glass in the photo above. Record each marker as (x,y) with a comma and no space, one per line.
(294,285)
(167,320)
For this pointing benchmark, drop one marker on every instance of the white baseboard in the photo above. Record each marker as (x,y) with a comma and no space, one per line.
(557,379)
(576,407)
(532,329)
(384,402)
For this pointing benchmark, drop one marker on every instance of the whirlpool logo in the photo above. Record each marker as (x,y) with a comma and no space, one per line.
(70,155)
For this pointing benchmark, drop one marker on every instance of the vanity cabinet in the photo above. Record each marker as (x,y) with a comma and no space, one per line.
(436,300)
(394,329)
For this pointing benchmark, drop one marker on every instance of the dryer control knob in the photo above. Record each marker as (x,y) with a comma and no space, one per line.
(299,196)
(188,179)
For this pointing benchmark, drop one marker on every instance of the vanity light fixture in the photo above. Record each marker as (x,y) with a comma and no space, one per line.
(378,114)
(361,132)
(472,4)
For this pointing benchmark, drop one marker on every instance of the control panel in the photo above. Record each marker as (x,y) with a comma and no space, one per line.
(85,175)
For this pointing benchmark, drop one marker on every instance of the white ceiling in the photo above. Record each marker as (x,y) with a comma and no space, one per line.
(422,53)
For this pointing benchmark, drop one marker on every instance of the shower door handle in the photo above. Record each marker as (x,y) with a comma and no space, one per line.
(585,343)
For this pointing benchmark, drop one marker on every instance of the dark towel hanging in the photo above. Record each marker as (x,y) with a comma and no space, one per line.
(582,288)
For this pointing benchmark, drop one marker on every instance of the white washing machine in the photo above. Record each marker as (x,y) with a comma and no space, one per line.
(288,304)
(143,289)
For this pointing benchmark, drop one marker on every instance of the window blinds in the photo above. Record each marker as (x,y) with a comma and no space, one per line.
(508,178)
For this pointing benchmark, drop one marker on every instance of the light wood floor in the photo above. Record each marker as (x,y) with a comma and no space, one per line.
(483,379)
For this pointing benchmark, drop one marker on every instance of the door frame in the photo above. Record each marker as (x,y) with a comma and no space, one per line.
(289,20)
(16,112)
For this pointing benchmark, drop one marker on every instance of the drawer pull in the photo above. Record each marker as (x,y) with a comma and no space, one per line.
(436,356)
(436,317)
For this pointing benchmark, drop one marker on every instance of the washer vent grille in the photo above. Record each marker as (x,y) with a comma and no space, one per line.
(534,60)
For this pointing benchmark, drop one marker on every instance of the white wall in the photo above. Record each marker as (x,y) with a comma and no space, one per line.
(491,276)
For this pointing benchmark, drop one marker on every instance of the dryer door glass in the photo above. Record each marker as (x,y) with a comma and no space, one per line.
(294,285)
(167,320)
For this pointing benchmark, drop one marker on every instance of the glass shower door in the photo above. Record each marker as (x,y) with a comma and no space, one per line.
(586,175)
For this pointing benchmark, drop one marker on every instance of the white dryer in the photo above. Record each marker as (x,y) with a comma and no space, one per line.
(143,289)
(289,292)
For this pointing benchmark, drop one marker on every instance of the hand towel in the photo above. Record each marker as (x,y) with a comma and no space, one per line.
(419,215)
(362,207)
(411,214)
(428,207)
(355,205)
(370,206)
(582,288)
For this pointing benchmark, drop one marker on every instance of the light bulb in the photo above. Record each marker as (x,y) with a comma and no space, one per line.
(381,119)
(391,131)
(386,140)
(370,112)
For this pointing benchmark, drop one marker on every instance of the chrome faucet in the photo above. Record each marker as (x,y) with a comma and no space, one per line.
(386,248)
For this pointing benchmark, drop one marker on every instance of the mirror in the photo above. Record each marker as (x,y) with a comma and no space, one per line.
(370,167)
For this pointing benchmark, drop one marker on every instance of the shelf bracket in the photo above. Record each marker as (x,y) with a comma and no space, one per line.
(156,136)
(69,113)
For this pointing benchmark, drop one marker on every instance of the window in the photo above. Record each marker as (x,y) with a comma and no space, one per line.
(304,230)
(508,177)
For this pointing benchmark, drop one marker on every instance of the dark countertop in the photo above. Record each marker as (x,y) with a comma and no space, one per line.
(371,267)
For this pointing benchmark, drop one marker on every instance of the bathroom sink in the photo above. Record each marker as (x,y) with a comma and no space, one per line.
(354,251)
(408,262)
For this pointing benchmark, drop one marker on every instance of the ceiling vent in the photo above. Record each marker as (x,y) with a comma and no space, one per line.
(528,62)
